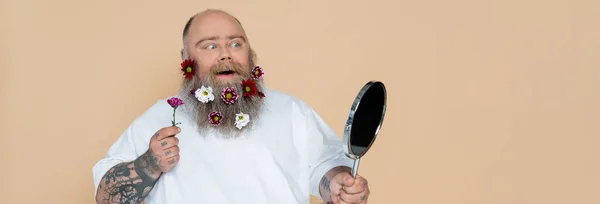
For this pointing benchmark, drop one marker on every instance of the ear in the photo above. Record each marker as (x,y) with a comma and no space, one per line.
(182,56)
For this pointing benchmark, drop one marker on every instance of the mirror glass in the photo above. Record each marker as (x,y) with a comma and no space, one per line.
(367,119)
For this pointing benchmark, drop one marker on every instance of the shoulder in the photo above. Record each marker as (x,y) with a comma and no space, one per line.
(282,101)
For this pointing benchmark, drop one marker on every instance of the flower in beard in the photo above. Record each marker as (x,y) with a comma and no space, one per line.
(257,72)
(241,120)
(204,94)
(215,118)
(188,67)
(229,95)
(249,88)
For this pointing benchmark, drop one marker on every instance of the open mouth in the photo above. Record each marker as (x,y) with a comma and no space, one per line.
(228,72)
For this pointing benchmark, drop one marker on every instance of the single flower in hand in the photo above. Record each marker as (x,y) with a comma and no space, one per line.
(204,94)
(241,120)
(229,95)
(257,72)
(188,67)
(174,102)
(215,118)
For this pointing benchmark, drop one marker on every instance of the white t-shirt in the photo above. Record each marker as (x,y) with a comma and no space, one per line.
(282,160)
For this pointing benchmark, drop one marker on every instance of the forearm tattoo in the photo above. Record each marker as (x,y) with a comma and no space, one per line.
(131,182)
(325,184)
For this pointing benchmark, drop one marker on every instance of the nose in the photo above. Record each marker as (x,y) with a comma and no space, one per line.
(225,55)
(222,59)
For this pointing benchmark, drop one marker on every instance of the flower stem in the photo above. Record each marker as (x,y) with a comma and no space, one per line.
(174,110)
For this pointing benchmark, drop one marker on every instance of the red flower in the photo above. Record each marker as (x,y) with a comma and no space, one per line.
(261,94)
(257,72)
(215,118)
(188,67)
(249,88)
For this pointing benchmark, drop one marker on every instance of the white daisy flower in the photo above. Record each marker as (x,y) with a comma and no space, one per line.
(204,94)
(241,120)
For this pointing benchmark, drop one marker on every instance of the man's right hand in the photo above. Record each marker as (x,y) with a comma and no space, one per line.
(131,182)
(164,150)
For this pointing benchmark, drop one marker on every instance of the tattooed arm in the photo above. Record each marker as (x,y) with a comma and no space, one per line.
(130,182)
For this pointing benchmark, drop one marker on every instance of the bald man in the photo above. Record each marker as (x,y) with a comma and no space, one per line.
(235,141)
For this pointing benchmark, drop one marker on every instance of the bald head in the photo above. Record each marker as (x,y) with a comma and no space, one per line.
(203,13)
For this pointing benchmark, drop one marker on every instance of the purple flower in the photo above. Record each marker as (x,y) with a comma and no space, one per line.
(175,102)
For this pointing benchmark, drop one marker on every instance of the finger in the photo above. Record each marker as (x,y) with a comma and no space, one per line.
(172,151)
(365,198)
(348,180)
(335,199)
(360,185)
(335,188)
(343,179)
(343,202)
(351,198)
(172,161)
(167,132)
(169,142)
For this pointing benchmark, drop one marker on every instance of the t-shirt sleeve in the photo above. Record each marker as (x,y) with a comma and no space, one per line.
(325,150)
(123,150)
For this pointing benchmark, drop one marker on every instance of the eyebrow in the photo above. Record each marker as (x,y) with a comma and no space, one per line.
(230,37)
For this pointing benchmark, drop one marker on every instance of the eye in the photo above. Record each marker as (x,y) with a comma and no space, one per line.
(211,47)
(235,44)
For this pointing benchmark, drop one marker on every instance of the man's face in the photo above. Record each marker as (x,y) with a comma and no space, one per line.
(219,45)
(216,38)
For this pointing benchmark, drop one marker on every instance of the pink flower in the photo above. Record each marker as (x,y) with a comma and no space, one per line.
(229,95)
(174,102)
(215,118)
(257,72)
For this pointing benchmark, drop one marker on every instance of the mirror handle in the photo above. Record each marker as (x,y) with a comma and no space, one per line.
(355,167)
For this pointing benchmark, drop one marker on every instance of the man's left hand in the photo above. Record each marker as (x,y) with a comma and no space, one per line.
(348,190)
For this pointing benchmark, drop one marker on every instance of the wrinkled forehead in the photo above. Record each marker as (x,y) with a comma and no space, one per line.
(214,24)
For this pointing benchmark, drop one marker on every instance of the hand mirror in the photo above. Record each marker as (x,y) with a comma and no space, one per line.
(364,121)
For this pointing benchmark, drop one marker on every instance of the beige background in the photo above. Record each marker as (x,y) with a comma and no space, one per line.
(489,101)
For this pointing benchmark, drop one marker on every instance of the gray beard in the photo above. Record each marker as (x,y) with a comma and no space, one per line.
(199,112)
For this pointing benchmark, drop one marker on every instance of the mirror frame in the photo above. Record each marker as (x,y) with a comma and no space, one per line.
(350,120)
